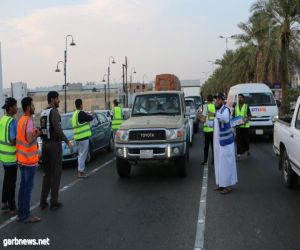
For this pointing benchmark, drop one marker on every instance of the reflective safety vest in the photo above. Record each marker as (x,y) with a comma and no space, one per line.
(242,113)
(226,134)
(81,131)
(7,150)
(117,118)
(45,123)
(210,108)
(27,153)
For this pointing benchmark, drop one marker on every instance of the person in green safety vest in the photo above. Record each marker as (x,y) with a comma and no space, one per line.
(117,118)
(8,134)
(208,130)
(242,131)
(82,132)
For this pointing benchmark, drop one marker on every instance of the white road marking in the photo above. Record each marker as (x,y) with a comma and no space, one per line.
(12,219)
(199,242)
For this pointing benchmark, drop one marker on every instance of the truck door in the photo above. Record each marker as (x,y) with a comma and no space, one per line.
(294,140)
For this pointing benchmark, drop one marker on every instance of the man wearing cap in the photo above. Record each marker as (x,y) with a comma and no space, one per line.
(82,132)
(8,134)
(117,116)
(52,136)
(242,131)
(224,151)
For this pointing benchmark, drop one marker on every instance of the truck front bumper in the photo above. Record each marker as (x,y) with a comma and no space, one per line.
(158,152)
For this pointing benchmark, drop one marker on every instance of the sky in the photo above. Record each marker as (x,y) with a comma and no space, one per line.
(157,36)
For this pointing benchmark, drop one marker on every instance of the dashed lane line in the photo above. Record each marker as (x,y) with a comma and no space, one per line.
(199,242)
(64,188)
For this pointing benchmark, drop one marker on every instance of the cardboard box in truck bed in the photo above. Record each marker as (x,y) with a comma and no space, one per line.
(167,82)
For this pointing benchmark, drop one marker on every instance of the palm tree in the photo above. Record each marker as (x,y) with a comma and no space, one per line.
(285,16)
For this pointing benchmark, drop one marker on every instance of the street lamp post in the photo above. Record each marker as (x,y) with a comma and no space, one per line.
(108,75)
(134,72)
(103,80)
(226,40)
(65,67)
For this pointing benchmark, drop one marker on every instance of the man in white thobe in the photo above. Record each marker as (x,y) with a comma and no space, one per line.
(225,163)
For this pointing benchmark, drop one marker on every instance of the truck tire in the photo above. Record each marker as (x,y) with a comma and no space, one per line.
(289,176)
(123,168)
(196,127)
(111,145)
(183,162)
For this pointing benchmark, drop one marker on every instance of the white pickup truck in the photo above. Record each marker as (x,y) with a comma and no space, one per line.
(287,146)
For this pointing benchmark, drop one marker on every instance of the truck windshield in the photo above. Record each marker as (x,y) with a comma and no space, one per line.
(197,99)
(190,103)
(259,99)
(156,104)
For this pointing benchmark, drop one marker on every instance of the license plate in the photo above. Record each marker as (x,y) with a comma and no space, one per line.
(146,154)
(259,132)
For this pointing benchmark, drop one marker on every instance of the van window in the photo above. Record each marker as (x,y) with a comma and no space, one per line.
(259,99)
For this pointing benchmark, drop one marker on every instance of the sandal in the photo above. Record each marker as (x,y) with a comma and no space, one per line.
(32,219)
(219,189)
(226,191)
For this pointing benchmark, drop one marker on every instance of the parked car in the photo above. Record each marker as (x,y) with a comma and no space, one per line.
(102,136)
(287,144)
(191,108)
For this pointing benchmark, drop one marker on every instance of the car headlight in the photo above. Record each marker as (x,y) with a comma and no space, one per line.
(121,135)
(173,134)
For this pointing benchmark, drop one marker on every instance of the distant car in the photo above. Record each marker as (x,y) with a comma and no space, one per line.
(102,136)
(190,103)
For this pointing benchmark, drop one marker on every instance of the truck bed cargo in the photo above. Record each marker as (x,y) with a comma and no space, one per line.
(167,82)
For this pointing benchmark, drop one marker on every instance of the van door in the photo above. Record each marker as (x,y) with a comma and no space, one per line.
(294,141)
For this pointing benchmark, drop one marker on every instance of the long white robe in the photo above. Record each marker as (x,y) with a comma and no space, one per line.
(224,156)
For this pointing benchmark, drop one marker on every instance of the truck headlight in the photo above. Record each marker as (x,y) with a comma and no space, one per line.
(173,134)
(122,135)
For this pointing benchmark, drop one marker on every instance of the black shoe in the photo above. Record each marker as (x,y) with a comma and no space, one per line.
(56,206)
(44,205)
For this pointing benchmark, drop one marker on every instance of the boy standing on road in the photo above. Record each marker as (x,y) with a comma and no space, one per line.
(208,130)
(27,156)
(242,131)
(8,133)
(82,131)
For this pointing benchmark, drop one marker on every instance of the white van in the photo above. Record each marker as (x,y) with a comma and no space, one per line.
(262,105)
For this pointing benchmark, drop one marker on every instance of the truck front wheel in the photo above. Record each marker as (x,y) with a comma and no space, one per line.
(289,176)
(123,168)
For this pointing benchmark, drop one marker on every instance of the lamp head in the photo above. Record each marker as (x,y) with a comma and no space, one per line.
(103,80)
(72,43)
(134,72)
(113,61)
(57,70)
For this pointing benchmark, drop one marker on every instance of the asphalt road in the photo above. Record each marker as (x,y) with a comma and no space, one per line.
(156,209)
